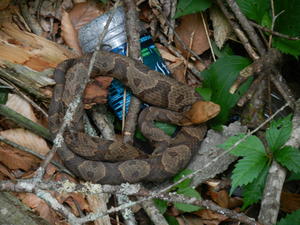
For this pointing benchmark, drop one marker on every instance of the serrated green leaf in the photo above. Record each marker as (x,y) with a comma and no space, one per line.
(186,182)
(279,132)
(185,7)
(219,78)
(251,145)
(291,47)
(291,219)
(253,191)
(294,176)
(189,192)
(289,157)
(204,92)
(247,169)
(254,9)
(288,22)
(171,220)
(161,205)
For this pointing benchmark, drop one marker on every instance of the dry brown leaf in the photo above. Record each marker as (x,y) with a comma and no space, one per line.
(178,71)
(289,202)
(21,136)
(189,24)
(220,197)
(190,220)
(210,215)
(69,33)
(17,159)
(21,106)
(83,13)
(40,206)
(222,29)
(74,200)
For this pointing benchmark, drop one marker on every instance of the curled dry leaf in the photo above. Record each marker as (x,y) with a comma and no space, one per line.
(75,201)
(220,197)
(69,33)
(222,29)
(189,24)
(83,13)
(40,206)
(14,102)
(209,215)
(17,159)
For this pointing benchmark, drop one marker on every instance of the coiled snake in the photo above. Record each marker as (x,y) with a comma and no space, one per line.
(112,162)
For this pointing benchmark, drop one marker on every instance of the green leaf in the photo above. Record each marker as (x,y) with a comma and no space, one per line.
(168,128)
(288,22)
(186,182)
(138,134)
(185,7)
(289,157)
(279,132)
(219,78)
(254,9)
(253,191)
(287,46)
(247,169)
(189,192)
(4,90)
(171,220)
(251,145)
(204,92)
(291,219)
(294,176)
(161,205)
(226,50)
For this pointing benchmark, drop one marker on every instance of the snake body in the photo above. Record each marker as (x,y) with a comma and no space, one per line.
(112,162)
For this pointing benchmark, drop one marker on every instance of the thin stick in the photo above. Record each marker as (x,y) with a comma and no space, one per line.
(274,32)
(238,31)
(25,122)
(247,27)
(207,36)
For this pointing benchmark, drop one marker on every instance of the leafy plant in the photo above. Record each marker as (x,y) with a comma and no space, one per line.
(251,170)
(183,188)
(287,20)
(219,78)
(185,7)
(292,218)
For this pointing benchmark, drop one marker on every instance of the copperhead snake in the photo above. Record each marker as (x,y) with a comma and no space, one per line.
(112,162)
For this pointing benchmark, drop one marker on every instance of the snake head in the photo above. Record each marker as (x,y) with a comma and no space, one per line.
(200,112)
